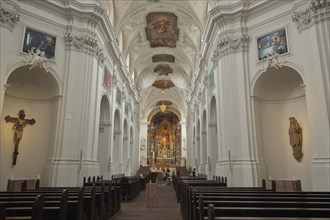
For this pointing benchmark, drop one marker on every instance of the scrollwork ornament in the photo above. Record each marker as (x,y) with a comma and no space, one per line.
(80,42)
(308,17)
(303,20)
(8,18)
(100,55)
(227,45)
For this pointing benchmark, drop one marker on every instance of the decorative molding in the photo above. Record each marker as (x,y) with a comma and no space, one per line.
(100,55)
(37,59)
(227,45)
(8,18)
(80,42)
(88,43)
(274,60)
(305,19)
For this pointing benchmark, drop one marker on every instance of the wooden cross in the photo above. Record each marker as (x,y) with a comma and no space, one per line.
(19,124)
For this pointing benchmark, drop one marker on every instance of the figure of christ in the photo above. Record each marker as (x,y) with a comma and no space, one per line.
(19,124)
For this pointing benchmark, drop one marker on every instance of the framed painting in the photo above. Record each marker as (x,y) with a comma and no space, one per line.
(126,108)
(275,42)
(118,96)
(39,40)
(107,80)
(211,78)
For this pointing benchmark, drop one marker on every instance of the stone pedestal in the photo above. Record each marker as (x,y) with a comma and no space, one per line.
(152,195)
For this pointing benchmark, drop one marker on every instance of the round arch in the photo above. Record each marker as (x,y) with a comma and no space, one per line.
(125,155)
(198,146)
(37,92)
(204,146)
(117,136)
(132,159)
(279,94)
(213,137)
(103,153)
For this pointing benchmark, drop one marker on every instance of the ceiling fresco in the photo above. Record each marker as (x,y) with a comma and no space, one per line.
(165,102)
(153,32)
(162,30)
(163,84)
(163,69)
(163,58)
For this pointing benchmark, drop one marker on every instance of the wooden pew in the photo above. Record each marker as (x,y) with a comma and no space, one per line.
(189,202)
(130,186)
(211,216)
(177,181)
(34,211)
(69,203)
(264,206)
(189,205)
(112,196)
(184,191)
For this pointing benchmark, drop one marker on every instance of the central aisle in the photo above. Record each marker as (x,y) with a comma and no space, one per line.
(168,208)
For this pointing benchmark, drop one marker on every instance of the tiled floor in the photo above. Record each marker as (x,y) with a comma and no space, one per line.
(168,208)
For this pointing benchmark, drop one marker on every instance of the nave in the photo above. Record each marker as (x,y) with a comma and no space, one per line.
(168,208)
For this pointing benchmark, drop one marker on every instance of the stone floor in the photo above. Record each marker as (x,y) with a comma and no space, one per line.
(168,208)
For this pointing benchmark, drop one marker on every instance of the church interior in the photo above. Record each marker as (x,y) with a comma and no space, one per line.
(234,88)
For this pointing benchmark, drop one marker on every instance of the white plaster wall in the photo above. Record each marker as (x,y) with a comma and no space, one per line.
(35,144)
(143,136)
(275,141)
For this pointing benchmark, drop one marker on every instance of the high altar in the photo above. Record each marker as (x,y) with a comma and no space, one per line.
(164,141)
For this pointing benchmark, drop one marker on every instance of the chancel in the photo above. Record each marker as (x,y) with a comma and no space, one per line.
(199,96)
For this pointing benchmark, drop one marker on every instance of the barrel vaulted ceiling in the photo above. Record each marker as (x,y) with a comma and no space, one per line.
(160,40)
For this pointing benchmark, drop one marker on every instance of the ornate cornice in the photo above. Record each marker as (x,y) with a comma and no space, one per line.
(79,42)
(306,18)
(86,42)
(227,45)
(8,18)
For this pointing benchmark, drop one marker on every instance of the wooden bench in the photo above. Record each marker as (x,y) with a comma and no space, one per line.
(36,209)
(113,197)
(270,212)
(250,202)
(130,186)
(184,191)
(79,203)
(189,203)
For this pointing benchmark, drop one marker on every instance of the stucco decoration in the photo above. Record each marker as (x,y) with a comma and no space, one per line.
(304,19)
(228,45)
(143,144)
(80,42)
(162,30)
(163,84)
(37,58)
(8,18)
(163,58)
(295,134)
(273,60)
(163,69)
(100,55)
(86,42)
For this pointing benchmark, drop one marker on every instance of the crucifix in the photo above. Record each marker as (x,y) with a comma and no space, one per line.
(19,124)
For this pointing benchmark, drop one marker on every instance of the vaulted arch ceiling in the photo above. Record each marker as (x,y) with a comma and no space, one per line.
(161,40)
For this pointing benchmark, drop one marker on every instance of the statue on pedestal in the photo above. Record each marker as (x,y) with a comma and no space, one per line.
(295,133)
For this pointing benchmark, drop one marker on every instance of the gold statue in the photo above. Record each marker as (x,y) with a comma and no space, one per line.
(19,124)
(295,133)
